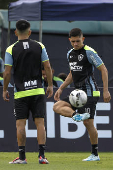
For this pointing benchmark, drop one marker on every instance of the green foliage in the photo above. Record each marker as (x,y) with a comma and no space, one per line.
(58,161)
(4,3)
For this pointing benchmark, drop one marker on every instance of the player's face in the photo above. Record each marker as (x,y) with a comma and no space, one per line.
(77,42)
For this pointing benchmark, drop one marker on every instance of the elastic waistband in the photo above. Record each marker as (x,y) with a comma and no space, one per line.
(29,93)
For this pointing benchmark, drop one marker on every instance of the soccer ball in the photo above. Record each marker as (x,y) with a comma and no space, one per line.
(78,98)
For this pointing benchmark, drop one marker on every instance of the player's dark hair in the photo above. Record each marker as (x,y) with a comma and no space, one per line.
(63,76)
(75,32)
(22,25)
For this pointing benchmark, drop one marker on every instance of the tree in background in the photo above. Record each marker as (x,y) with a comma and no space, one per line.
(4,3)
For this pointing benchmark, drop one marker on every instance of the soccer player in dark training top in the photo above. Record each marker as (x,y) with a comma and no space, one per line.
(26,57)
(82,60)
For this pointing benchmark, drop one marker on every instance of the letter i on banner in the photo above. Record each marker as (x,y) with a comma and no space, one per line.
(50,120)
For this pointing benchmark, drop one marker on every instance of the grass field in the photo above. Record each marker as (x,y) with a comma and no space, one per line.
(58,161)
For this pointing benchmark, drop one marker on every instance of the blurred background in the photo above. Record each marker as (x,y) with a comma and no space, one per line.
(54,34)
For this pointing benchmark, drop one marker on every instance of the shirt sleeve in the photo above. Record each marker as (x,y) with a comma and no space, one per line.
(94,59)
(1,65)
(8,59)
(68,54)
(44,55)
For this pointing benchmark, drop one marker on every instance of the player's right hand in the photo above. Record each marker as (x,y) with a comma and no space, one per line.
(106,96)
(49,91)
(6,95)
(57,94)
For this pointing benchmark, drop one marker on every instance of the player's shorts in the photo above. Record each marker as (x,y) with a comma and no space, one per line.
(89,107)
(35,104)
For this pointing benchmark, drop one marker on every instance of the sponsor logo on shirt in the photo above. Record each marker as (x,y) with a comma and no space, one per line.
(30,84)
(75,67)
(71,56)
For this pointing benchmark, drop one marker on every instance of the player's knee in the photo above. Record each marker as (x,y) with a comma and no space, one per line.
(86,123)
(56,108)
(20,124)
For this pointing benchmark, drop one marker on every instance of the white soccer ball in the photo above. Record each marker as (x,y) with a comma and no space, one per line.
(78,98)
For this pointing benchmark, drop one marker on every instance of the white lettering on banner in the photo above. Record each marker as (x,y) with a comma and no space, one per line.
(103,106)
(64,121)
(50,116)
(103,120)
(1,133)
(64,133)
(30,133)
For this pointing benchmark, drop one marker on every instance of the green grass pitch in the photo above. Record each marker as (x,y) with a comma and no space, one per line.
(58,161)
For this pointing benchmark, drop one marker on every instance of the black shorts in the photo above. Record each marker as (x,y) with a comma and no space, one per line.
(34,104)
(89,107)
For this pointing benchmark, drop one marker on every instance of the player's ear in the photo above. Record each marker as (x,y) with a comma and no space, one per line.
(16,33)
(29,33)
(83,38)
(69,39)
(53,71)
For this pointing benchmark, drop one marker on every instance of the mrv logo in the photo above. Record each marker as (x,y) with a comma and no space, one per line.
(74,67)
(30,84)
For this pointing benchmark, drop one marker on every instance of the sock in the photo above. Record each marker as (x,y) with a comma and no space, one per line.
(95,149)
(22,152)
(76,111)
(41,150)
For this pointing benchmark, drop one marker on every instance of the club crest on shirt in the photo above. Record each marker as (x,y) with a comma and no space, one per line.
(80,57)
(71,56)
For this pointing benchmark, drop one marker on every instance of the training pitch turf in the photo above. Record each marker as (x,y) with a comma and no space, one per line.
(58,161)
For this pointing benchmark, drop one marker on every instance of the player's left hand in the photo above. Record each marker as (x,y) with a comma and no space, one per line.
(6,95)
(106,96)
(49,91)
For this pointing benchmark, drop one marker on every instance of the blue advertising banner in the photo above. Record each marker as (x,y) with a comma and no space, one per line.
(63,134)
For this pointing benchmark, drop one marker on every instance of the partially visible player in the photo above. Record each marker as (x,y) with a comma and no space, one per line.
(26,56)
(62,76)
(1,73)
(82,60)
(56,80)
(1,67)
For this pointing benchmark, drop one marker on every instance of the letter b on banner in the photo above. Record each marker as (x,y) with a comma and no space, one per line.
(65,133)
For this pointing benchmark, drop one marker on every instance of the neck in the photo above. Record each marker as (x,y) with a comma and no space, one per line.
(81,46)
(22,37)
